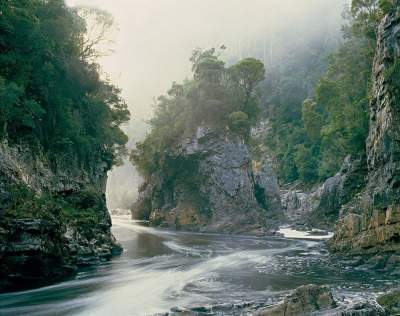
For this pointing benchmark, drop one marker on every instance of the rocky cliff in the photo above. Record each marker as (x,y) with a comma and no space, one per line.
(370,223)
(216,188)
(53,217)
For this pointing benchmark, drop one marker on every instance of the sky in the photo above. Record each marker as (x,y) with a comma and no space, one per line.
(155,38)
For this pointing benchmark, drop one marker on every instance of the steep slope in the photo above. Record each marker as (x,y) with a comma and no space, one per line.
(371,222)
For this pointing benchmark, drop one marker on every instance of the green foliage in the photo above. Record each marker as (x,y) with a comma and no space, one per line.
(312,138)
(247,74)
(386,6)
(51,93)
(343,94)
(25,204)
(365,15)
(392,75)
(212,98)
(239,123)
(312,120)
(305,163)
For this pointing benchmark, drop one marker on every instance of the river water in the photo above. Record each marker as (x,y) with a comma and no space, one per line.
(162,272)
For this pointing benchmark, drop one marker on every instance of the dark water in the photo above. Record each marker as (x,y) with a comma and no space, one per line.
(219,275)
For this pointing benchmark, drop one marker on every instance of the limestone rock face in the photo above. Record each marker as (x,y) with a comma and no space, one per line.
(370,223)
(41,244)
(215,189)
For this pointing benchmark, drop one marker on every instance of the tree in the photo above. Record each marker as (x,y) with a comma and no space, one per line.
(312,120)
(51,94)
(98,28)
(306,164)
(366,15)
(247,73)
(239,123)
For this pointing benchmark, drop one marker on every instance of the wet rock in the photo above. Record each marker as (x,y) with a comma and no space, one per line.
(303,301)
(391,302)
(362,309)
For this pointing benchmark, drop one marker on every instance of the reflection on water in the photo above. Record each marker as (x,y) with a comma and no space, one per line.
(161,270)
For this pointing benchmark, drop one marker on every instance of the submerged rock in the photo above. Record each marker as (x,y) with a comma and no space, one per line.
(214,189)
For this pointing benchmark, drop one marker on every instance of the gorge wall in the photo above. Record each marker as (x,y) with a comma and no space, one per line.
(217,189)
(370,223)
(53,217)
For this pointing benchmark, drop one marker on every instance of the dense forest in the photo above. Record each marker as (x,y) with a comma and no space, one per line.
(311,135)
(315,103)
(52,94)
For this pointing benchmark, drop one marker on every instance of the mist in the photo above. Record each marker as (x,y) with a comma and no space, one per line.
(155,39)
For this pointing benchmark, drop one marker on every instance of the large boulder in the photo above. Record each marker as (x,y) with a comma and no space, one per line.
(303,301)
(318,300)
(213,188)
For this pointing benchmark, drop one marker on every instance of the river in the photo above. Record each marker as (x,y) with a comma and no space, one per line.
(162,272)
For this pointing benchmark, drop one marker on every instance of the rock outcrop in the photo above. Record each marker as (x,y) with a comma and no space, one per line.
(318,300)
(370,223)
(320,207)
(303,301)
(214,189)
(53,217)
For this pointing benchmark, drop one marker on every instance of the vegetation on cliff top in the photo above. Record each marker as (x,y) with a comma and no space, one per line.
(219,97)
(52,95)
